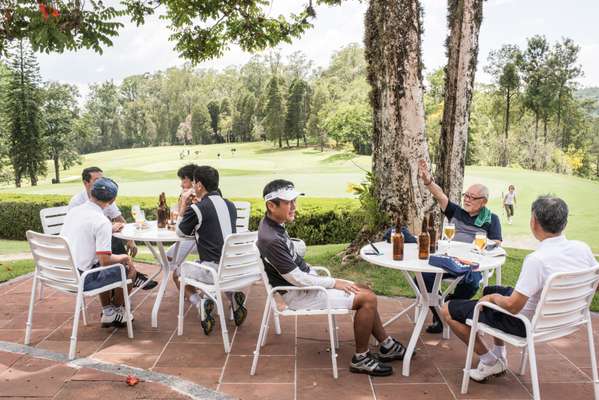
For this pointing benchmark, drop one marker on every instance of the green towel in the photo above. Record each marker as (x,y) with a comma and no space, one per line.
(483,217)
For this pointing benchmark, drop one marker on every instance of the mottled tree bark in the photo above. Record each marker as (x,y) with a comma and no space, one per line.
(393,54)
(464,19)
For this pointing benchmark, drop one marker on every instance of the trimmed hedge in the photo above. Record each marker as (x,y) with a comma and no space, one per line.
(318,220)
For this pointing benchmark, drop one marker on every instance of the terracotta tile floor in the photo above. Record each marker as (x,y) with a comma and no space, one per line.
(295,365)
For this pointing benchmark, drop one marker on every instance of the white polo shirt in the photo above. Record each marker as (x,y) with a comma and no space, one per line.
(112,211)
(88,232)
(553,255)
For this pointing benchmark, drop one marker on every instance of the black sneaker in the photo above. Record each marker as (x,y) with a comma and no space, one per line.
(116,319)
(207,320)
(435,327)
(140,279)
(395,352)
(370,366)
(240,312)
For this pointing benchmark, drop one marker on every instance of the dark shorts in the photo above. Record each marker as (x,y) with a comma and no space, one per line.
(509,209)
(461,310)
(101,278)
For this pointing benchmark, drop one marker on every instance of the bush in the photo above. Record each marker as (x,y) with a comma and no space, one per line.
(318,221)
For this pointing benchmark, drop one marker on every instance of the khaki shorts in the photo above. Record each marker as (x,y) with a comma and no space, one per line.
(317,300)
(192,272)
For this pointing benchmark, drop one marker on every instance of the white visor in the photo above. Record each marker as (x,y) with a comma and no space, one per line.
(287,193)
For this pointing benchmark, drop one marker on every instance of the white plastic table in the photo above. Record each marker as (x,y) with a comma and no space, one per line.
(412,265)
(154,237)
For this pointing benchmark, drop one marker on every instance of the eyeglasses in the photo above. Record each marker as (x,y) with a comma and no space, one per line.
(471,197)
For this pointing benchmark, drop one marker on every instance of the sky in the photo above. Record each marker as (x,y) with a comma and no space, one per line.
(147,49)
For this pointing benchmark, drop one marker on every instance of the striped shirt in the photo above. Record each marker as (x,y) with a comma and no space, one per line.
(210,220)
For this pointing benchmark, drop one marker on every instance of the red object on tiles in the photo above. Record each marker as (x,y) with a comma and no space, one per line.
(132,380)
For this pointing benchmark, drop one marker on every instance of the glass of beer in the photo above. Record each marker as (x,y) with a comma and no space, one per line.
(134,211)
(480,242)
(174,213)
(449,233)
(140,219)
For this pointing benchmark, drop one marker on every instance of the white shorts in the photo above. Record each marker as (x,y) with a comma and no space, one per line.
(185,248)
(317,300)
(192,272)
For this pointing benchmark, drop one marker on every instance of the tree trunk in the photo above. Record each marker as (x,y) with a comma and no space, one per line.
(464,19)
(504,161)
(56,168)
(280,142)
(393,53)
(545,129)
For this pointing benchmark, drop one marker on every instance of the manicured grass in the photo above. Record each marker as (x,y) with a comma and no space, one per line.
(13,246)
(12,269)
(148,171)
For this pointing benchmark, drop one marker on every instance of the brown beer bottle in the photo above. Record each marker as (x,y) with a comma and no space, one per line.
(424,241)
(398,241)
(432,233)
(162,212)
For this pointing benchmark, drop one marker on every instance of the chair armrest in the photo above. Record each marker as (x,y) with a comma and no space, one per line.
(322,269)
(98,269)
(495,307)
(200,266)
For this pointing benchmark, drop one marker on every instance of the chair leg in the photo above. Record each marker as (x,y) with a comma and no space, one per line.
(73,346)
(468,366)
(333,352)
(30,314)
(336,332)
(128,311)
(223,321)
(269,312)
(276,317)
(84,312)
(536,391)
(593,357)
(181,306)
(41,294)
(263,328)
(523,361)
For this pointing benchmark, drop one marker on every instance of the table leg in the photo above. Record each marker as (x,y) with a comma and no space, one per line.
(498,276)
(165,266)
(414,304)
(425,300)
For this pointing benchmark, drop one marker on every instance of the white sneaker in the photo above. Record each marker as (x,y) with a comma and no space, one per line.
(483,371)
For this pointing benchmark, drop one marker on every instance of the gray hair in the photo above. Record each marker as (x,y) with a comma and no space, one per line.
(551,213)
(482,190)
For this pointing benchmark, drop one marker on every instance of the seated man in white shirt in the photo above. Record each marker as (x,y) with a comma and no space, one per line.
(555,253)
(118,246)
(285,267)
(89,234)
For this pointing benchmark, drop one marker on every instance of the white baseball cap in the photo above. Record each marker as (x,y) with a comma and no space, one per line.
(287,193)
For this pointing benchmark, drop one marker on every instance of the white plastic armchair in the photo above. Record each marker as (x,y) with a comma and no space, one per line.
(563,307)
(270,308)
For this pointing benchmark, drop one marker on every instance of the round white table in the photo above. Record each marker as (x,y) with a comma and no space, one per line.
(424,299)
(154,238)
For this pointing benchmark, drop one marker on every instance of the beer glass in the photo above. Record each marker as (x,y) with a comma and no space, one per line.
(480,241)
(174,213)
(140,219)
(449,232)
(134,211)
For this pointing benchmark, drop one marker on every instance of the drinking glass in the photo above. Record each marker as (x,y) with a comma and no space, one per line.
(140,219)
(134,211)
(449,232)
(480,241)
(174,213)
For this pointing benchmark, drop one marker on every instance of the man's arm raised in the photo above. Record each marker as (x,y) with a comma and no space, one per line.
(427,179)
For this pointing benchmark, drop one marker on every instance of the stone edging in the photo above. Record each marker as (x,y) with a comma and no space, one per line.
(179,385)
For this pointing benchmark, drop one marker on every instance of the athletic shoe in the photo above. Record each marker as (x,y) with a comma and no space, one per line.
(117,318)
(140,279)
(205,309)
(395,352)
(239,312)
(483,371)
(370,366)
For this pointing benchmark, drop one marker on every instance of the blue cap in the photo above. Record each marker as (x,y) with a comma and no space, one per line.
(105,189)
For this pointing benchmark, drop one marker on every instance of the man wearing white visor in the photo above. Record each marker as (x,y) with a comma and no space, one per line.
(285,267)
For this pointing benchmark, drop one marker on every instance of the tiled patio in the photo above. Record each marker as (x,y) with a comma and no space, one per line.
(296,365)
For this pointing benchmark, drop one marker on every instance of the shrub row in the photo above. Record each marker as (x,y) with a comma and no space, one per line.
(318,221)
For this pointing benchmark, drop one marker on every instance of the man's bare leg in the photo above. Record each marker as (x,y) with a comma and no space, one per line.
(462,331)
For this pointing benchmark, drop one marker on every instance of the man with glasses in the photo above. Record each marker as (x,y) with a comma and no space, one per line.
(471,218)
(285,267)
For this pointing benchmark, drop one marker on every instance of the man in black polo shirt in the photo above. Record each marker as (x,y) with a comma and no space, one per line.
(285,267)
(211,219)
(470,219)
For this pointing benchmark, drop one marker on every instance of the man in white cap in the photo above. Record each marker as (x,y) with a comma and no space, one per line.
(285,267)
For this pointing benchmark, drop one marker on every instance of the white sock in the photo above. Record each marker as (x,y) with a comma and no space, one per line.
(499,352)
(360,356)
(488,358)
(387,343)
(108,310)
(195,299)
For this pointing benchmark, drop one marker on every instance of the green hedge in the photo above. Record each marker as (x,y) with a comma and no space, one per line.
(318,221)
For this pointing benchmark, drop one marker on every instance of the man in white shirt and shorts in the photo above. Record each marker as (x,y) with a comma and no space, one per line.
(555,253)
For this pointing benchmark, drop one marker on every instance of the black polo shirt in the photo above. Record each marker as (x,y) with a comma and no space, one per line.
(465,230)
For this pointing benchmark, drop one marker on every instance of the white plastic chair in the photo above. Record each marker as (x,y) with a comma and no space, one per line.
(55,268)
(243,216)
(270,308)
(563,307)
(52,219)
(238,269)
